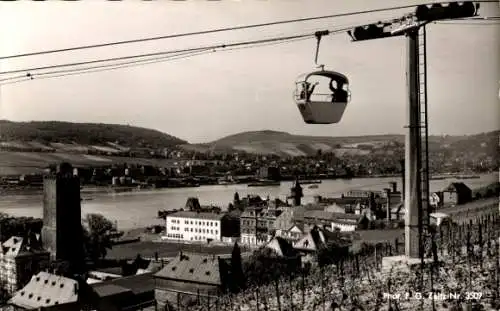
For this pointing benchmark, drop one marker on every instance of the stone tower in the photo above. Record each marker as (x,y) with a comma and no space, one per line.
(62,232)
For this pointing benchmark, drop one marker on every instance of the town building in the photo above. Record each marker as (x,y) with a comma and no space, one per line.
(457,193)
(257,225)
(248,225)
(200,227)
(284,221)
(284,252)
(270,173)
(191,277)
(329,220)
(135,292)
(316,239)
(20,258)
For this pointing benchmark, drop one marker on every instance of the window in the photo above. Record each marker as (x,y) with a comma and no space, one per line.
(216,232)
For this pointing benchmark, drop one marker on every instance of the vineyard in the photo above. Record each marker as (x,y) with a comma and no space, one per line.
(464,274)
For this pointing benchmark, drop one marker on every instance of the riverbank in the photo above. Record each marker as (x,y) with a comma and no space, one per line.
(89,189)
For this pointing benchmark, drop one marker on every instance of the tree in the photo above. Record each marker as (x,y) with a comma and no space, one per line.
(97,238)
(237,274)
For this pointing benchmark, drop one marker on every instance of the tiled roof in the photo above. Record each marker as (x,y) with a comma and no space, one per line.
(195,215)
(107,290)
(12,246)
(330,215)
(18,246)
(137,284)
(457,186)
(347,200)
(45,289)
(192,267)
(334,209)
(282,247)
(154,266)
(318,237)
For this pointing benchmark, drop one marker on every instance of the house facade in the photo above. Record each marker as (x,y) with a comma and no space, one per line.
(457,193)
(257,225)
(19,260)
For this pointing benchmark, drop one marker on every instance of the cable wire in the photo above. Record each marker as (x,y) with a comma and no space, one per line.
(69,72)
(139,62)
(193,51)
(222,30)
(187,50)
(218,46)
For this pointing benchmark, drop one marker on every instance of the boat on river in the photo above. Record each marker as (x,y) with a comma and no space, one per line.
(264,183)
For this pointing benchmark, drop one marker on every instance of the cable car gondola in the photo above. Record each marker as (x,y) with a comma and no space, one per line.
(321,108)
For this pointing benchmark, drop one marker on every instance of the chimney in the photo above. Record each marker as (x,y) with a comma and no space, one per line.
(388,206)
(394,186)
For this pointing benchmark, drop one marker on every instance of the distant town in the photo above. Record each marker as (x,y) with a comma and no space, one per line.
(192,169)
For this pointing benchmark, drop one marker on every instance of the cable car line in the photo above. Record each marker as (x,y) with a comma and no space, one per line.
(218,46)
(196,49)
(223,30)
(31,76)
(203,50)
(99,68)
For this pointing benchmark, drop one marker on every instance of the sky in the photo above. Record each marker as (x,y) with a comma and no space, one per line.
(210,96)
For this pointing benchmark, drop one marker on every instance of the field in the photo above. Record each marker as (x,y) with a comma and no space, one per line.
(17,163)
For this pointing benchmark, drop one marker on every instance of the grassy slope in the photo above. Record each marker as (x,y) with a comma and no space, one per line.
(20,141)
(47,132)
(267,142)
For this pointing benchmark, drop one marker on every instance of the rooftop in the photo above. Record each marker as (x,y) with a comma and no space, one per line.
(137,284)
(45,289)
(196,215)
(331,216)
(17,246)
(192,267)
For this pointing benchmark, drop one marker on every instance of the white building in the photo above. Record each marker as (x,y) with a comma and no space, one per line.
(194,226)
(343,225)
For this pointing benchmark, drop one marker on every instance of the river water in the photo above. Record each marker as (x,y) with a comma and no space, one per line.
(139,209)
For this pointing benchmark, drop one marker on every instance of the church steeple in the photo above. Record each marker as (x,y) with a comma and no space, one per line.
(296,192)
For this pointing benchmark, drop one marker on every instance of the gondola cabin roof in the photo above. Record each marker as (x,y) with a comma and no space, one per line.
(327,74)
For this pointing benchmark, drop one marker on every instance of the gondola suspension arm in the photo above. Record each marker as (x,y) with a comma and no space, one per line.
(318,35)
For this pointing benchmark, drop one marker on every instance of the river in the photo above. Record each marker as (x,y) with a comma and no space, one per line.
(139,209)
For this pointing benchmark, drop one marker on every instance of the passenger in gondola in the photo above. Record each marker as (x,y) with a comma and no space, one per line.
(303,91)
(311,90)
(307,90)
(339,94)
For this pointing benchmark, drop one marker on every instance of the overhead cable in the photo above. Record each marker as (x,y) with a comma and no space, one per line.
(297,20)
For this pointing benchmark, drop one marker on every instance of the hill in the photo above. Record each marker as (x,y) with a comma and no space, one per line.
(286,144)
(45,135)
